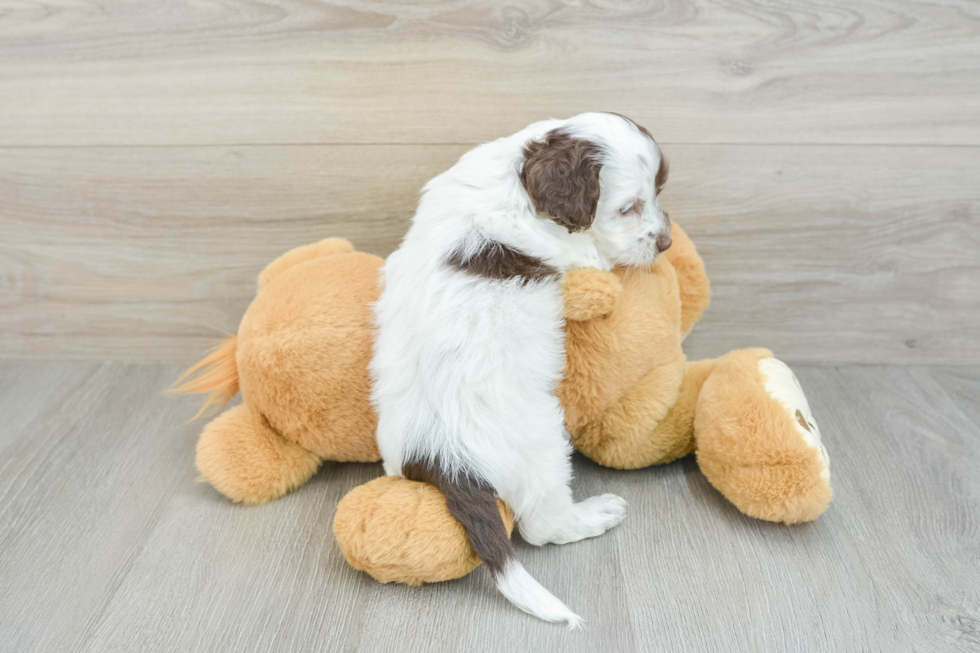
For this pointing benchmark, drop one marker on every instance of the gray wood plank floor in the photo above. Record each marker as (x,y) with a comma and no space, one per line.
(108,543)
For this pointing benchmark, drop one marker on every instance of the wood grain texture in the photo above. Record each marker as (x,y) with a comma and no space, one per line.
(95,72)
(824,253)
(963,386)
(108,543)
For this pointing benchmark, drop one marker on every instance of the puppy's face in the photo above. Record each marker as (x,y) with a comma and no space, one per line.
(630,228)
(603,175)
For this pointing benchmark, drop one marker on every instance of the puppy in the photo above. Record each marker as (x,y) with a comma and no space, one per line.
(470,345)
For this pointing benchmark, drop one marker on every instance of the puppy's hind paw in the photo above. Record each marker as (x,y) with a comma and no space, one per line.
(598,514)
(606,510)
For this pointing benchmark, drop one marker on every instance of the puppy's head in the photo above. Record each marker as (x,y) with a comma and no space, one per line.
(602,173)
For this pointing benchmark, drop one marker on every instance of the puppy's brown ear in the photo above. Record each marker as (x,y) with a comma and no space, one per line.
(561,175)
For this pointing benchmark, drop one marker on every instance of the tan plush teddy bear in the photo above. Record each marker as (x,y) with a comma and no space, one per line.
(300,361)
(631,399)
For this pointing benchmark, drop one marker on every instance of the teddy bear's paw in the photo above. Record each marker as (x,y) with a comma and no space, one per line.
(589,293)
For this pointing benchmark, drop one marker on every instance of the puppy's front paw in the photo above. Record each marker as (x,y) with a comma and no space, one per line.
(600,513)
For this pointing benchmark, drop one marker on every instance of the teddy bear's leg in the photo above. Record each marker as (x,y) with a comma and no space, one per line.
(401,531)
(650,425)
(757,441)
(247,461)
(673,436)
(326,247)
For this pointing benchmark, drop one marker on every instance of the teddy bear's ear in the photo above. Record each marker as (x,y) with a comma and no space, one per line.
(326,247)
(589,293)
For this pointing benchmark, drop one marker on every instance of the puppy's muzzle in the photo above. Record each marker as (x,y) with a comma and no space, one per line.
(657,244)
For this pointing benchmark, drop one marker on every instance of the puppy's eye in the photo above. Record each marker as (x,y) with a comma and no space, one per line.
(629,208)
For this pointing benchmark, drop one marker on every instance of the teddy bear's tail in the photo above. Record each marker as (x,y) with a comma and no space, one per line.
(216,375)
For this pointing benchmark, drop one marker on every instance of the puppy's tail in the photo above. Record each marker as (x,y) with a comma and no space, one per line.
(522,590)
(216,375)
(473,504)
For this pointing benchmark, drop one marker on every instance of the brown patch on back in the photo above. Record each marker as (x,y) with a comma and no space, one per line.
(561,176)
(473,503)
(498,261)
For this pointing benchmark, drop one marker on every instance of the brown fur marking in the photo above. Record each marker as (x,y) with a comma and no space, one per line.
(561,175)
(474,504)
(498,261)
(801,420)
(662,172)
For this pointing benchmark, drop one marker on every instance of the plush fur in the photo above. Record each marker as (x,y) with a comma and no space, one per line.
(416,546)
(778,470)
(247,460)
(747,442)
(300,358)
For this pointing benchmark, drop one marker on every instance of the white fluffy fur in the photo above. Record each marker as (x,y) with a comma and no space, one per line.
(465,368)
(528,595)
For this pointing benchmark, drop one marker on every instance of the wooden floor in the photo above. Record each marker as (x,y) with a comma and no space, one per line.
(109,543)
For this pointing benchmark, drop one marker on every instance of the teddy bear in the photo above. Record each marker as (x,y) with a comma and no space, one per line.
(631,399)
(300,360)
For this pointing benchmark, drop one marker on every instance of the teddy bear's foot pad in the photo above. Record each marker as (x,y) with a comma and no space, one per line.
(783,386)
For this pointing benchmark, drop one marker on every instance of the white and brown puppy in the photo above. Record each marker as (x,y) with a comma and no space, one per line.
(470,344)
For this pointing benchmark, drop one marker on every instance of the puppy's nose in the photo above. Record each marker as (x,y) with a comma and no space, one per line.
(664,241)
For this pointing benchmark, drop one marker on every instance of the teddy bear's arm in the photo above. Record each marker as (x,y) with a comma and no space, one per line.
(691,278)
(589,293)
